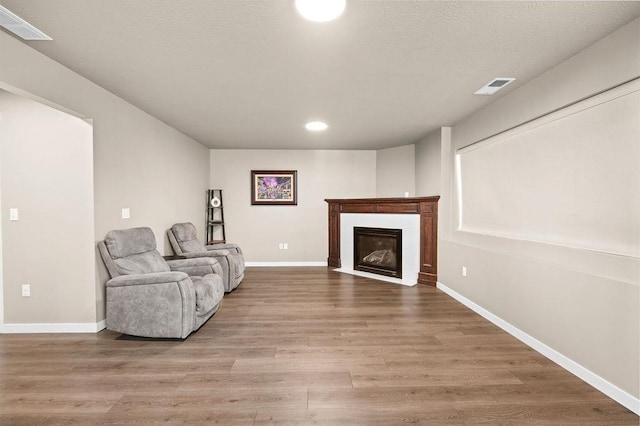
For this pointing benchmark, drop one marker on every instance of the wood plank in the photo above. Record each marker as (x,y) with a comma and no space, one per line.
(345,352)
(214,399)
(267,380)
(44,402)
(397,397)
(433,377)
(434,415)
(309,364)
(462,360)
(548,413)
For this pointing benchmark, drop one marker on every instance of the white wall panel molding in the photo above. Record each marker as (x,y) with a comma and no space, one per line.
(569,178)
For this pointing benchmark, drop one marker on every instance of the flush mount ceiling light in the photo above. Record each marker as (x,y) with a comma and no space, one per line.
(316,126)
(493,86)
(321,10)
(12,22)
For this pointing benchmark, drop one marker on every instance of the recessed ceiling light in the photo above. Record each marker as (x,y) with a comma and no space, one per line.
(316,126)
(494,85)
(321,10)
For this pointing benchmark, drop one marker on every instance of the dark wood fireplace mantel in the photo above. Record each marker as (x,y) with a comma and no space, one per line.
(426,207)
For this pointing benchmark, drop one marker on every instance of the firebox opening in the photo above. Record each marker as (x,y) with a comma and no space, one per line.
(378,251)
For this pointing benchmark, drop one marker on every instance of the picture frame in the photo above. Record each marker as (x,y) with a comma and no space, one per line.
(274,187)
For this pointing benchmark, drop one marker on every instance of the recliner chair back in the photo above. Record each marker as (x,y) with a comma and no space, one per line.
(132,251)
(185,239)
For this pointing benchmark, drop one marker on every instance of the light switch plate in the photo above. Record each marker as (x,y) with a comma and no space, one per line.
(13,214)
(26,290)
(126,213)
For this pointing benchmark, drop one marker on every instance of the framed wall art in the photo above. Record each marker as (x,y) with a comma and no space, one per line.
(274,187)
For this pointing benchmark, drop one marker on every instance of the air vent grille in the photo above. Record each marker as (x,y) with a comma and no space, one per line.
(499,83)
(12,22)
(493,86)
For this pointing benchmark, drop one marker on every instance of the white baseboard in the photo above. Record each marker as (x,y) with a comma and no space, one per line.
(609,389)
(52,328)
(286,263)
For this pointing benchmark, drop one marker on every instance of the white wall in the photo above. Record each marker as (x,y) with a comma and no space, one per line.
(395,173)
(427,164)
(139,162)
(580,303)
(47,174)
(321,174)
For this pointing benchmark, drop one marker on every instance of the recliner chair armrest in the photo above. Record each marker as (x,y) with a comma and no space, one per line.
(146,279)
(227,246)
(208,253)
(196,266)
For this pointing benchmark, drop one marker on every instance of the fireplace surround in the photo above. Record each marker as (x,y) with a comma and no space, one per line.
(425,207)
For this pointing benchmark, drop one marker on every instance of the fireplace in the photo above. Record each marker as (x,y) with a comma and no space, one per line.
(416,216)
(378,251)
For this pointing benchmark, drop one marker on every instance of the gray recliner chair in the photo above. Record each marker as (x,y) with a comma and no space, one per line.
(150,297)
(184,240)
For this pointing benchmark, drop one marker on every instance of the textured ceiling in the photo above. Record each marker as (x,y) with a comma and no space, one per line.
(249,74)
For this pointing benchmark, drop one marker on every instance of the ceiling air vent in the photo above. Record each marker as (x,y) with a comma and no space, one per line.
(493,86)
(12,22)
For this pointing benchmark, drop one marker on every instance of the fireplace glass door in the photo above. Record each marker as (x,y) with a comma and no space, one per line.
(378,251)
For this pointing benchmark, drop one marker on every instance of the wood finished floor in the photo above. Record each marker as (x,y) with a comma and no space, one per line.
(301,346)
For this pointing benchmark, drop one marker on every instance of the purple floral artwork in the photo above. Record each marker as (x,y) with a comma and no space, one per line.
(274,188)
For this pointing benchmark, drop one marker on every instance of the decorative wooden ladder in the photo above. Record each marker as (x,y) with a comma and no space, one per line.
(215,217)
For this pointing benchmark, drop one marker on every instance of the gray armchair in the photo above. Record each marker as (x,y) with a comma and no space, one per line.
(148,296)
(184,240)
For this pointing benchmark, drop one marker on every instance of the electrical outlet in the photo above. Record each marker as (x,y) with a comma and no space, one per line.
(13,214)
(286,246)
(464,271)
(281,246)
(126,213)
(26,290)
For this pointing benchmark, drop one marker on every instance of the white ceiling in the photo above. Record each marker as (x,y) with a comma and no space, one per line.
(249,74)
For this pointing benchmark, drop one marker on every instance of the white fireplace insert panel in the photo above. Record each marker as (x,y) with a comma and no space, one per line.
(410,225)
